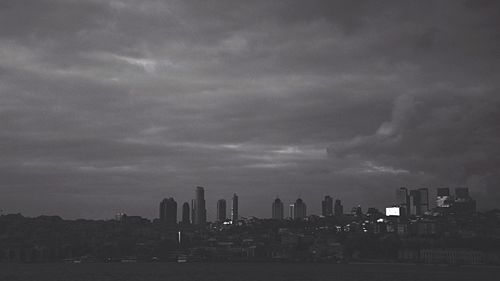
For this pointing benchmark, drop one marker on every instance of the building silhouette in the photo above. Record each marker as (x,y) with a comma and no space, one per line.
(193,212)
(234,208)
(338,209)
(200,211)
(414,199)
(221,210)
(374,213)
(327,206)
(443,198)
(424,199)
(277,209)
(412,202)
(299,209)
(463,203)
(418,201)
(168,211)
(357,211)
(186,217)
(403,200)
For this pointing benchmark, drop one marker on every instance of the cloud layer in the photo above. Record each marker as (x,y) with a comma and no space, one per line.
(109,106)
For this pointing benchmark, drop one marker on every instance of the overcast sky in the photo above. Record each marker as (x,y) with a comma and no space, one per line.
(110,106)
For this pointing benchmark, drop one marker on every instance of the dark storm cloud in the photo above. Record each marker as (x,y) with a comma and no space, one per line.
(107,106)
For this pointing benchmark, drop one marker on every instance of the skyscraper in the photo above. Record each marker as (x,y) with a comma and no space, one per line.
(339,209)
(292,211)
(424,200)
(299,209)
(327,206)
(403,200)
(463,203)
(200,210)
(443,199)
(193,211)
(186,219)
(357,211)
(278,209)
(168,211)
(234,208)
(414,200)
(443,191)
(221,210)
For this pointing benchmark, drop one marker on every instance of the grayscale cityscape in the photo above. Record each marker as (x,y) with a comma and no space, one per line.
(232,140)
(408,231)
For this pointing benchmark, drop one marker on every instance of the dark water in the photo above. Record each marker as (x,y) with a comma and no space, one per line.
(241,271)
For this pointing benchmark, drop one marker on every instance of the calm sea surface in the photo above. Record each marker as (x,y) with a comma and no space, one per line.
(241,271)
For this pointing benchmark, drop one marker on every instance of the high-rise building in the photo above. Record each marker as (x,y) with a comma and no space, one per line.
(424,199)
(299,209)
(292,211)
(412,202)
(234,208)
(278,209)
(168,211)
(373,213)
(339,209)
(443,199)
(186,219)
(200,209)
(413,207)
(357,211)
(463,203)
(403,200)
(221,210)
(443,191)
(327,206)
(193,211)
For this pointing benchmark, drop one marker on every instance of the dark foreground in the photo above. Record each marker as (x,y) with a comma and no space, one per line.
(241,271)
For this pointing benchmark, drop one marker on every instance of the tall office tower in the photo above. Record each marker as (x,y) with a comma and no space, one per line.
(327,206)
(402,199)
(424,199)
(221,210)
(299,209)
(193,211)
(463,203)
(292,211)
(414,206)
(339,209)
(278,209)
(200,210)
(443,199)
(234,208)
(186,219)
(168,211)
(418,201)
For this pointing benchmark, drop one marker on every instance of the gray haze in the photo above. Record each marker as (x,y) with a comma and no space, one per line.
(109,106)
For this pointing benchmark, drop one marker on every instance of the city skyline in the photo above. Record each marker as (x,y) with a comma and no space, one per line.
(410,202)
(110,106)
(211,213)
